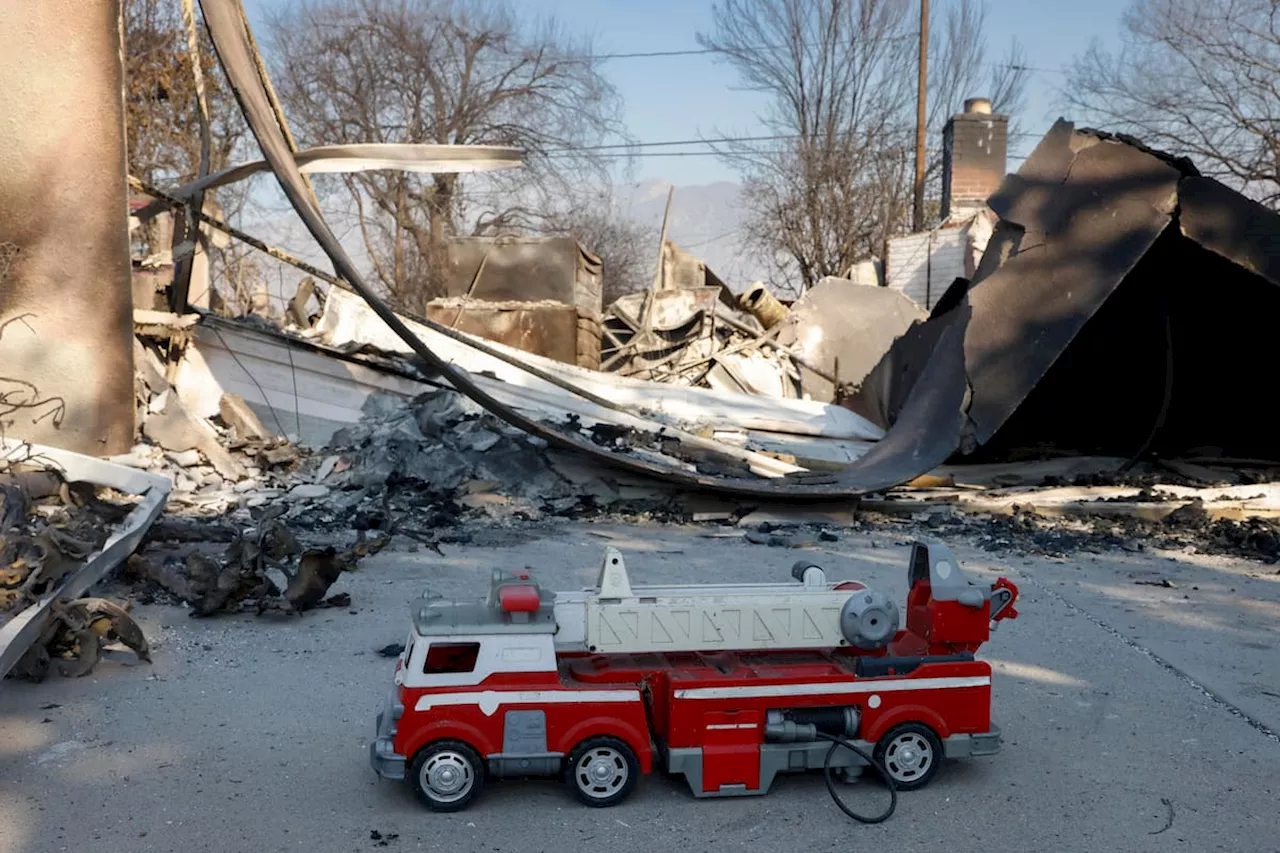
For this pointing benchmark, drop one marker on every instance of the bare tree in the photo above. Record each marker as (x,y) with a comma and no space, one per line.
(443,72)
(1199,78)
(160,96)
(626,247)
(162,121)
(839,80)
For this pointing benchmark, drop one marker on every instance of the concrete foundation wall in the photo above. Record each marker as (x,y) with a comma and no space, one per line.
(66,349)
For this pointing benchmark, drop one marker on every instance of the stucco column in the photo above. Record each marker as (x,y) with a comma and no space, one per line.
(66,349)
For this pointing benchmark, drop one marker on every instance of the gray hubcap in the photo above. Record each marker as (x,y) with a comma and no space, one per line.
(908,757)
(447,776)
(601,772)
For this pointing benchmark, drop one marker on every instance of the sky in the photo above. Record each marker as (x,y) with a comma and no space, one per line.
(688,97)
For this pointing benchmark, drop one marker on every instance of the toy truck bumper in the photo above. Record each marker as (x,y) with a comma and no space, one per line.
(973,746)
(382,755)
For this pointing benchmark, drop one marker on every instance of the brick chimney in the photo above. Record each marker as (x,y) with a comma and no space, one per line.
(974,145)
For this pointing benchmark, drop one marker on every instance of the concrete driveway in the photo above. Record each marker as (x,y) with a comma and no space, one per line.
(1136,717)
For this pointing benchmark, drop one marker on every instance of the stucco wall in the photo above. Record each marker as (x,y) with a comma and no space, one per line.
(66,359)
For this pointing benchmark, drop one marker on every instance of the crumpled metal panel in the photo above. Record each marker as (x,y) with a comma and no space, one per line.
(841,326)
(1117,302)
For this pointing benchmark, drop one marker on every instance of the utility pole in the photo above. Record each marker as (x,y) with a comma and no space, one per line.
(917,211)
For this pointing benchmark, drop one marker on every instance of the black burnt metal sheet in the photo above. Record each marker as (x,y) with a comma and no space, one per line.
(1045,168)
(1082,237)
(1223,221)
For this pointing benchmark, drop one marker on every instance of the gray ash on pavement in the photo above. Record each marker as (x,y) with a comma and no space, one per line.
(1187,529)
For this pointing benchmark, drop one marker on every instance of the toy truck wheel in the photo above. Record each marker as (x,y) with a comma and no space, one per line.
(910,754)
(602,771)
(447,775)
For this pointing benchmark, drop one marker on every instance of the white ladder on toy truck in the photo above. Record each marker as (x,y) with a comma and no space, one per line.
(620,618)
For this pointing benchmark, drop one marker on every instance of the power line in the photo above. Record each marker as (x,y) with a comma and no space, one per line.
(706,50)
(623,149)
(673,142)
(1033,69)
(650,54)
(701,243)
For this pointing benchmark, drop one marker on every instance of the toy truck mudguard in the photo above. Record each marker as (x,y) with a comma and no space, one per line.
(727,685)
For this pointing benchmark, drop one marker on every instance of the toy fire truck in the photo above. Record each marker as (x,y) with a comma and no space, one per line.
(727,685)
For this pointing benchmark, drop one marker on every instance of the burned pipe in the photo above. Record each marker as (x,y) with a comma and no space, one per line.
(763,305)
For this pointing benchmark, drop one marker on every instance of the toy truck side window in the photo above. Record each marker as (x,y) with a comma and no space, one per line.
(450,658)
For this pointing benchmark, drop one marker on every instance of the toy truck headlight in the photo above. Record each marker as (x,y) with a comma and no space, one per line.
(397,711)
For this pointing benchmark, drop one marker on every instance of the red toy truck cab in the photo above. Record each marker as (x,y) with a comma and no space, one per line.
(478,692)
(728,686)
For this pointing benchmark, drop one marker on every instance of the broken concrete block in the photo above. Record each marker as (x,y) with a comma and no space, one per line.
(185,458)
(327,467)
(712,516)
(482,440)
(148,368)
(282,455)
(308,491)
(139,457)
(174,427)
(481,500)
(840,514)
(178,430)
(236,413)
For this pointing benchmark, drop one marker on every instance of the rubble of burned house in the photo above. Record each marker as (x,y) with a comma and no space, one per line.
(1066,376)
(920,396)
(691,329)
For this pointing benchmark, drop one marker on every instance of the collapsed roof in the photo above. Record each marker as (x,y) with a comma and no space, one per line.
(1124,306)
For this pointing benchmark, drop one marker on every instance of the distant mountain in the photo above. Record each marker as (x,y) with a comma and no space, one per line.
(706,220)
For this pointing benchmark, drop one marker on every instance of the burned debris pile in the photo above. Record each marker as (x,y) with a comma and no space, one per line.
(264,568)
(851,392)
(437,442)
(423,467)
(49,527)
(1188,530)
(211,460)
(698,336)
(690,329)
